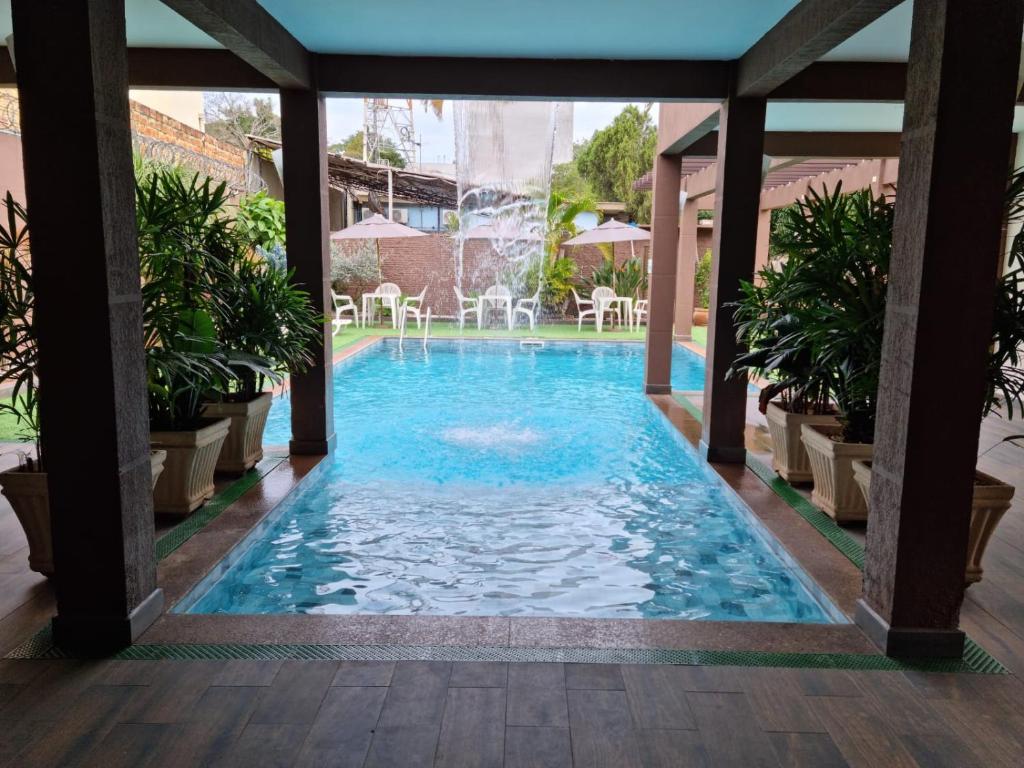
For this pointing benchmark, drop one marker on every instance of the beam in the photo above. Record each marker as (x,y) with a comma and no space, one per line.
(925,449)
(246,29)
(680,125)
(869,81)
(812,144)
(193,68)
(876,175)
(810,30)
(738,185)
(304,141)
(100,498)
(625,80)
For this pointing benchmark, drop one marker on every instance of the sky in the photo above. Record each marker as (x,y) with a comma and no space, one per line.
(345,116)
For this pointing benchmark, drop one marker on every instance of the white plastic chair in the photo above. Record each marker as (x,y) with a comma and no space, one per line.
(466,307)
(639,312)
(388,293)
(527,307)
(584,308)
(504,306)
(413,307)
(602,296)
(343,303)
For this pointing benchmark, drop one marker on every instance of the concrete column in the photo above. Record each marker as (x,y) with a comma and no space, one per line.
(304,139)
(737,202)
(73,90)
(662,287)
(926,442)
(686,268)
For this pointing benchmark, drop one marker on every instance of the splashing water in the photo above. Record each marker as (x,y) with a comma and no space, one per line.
(504,438)
(503,152)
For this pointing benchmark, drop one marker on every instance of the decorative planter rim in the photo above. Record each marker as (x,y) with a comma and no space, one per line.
(186,438)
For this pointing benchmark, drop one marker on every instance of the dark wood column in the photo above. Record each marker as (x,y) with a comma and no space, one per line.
(737,200)
(73,89)
(926,441)
(304,140)
(662,289)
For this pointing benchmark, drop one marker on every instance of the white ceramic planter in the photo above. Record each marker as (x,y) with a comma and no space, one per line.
(991,500)
(835,491)
(27,492)
(789,457)
(244,444)
(187,479)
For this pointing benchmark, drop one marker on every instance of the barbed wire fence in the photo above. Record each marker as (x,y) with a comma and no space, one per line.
(242,179)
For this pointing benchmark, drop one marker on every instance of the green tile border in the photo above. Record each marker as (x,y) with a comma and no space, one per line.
(212,509)
(976,659)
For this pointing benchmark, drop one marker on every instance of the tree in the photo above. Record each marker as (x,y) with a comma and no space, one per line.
(618,155)
(353,147)
(567,182)
(232,117)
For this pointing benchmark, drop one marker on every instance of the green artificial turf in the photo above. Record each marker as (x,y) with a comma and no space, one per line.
(446,329)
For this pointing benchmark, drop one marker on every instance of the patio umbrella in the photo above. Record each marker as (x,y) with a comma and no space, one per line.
(611,231)
(376,228)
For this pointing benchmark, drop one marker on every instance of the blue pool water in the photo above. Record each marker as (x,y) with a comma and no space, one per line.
(485,478)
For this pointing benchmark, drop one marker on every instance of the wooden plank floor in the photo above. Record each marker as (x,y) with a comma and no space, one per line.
(293,713)
(315,713)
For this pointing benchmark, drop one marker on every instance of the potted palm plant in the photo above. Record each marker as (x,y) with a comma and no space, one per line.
(1005,391)
(26,485)
(838,311)
(185,246)
(798,393)
(267,326)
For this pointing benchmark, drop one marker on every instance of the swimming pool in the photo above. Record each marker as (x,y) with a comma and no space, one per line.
(489,478)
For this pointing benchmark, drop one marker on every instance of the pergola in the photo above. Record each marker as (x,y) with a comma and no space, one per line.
(957,83)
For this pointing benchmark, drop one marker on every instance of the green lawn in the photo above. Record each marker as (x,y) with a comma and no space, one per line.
(700,335)
(10,431)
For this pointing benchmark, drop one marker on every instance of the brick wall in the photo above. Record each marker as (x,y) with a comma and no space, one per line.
(160,127)
(429,261)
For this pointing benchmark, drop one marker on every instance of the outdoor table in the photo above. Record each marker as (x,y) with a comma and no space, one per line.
(497,300)
(368,305)
(625,304)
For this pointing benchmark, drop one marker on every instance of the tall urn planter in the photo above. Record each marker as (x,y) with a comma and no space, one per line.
(187,479)
(835,490)
(243,447)
(30,499)
(990,501)
(789,456)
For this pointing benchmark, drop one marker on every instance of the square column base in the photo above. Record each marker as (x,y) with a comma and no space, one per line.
(905,642)
(312,447)
(723,454)
(658,389)
(102,635)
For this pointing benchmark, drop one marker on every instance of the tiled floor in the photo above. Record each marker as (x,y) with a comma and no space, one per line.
(298,713)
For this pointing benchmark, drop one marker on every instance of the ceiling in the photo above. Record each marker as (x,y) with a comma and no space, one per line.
(149,23)
(887,39)
(610,29)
